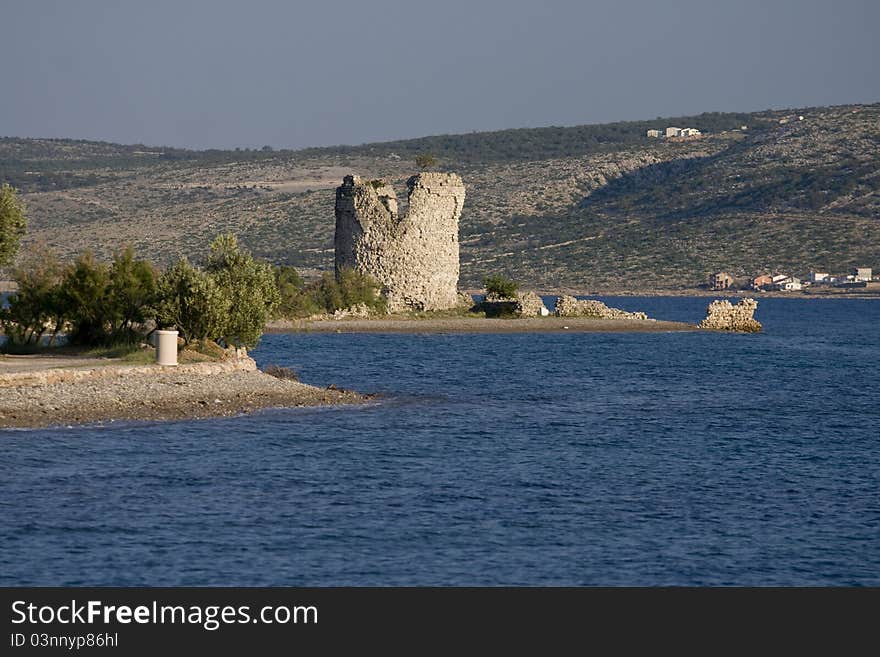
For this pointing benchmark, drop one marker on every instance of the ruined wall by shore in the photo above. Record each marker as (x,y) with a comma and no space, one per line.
(523,304)
(725,316)
(414,257)
(568,306)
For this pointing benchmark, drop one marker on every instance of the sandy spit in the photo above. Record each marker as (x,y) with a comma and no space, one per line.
(162,395)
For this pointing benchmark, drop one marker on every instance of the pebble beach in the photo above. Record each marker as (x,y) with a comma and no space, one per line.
(73,396)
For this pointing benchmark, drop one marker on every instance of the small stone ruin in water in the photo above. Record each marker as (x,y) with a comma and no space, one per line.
(725,316)
(568,306)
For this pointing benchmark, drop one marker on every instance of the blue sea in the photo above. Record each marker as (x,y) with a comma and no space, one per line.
(520,459)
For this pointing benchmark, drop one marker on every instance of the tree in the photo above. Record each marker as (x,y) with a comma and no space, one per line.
(83,294)
(131,290)
(425,161)
(102,305)
(189,300)
(295,299)
(249,285)
(500,286)
(12,224)
(35,308)
(347,289)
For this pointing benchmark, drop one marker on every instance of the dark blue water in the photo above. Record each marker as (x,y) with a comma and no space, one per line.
(680,458)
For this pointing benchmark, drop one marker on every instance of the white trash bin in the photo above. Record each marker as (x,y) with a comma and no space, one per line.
(166,347)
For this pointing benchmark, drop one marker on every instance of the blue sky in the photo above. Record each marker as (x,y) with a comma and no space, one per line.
(224,74)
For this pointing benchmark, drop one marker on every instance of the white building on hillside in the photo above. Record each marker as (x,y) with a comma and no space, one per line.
(786,283)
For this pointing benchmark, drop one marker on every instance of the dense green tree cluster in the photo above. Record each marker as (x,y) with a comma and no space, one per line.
(100,304)
(96,303)
(12,224)
(36,308)
(228,301)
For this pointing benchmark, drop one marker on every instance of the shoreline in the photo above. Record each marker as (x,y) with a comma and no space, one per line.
(702,293)
(66,397)
(477,325)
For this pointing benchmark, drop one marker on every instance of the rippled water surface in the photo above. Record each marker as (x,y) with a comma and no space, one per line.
(679,458)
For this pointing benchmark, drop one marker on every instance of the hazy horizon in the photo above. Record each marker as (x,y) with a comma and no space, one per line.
(223,75)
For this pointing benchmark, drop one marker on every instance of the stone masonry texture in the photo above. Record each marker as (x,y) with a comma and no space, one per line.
(414,257)
(568,306)
(721,315)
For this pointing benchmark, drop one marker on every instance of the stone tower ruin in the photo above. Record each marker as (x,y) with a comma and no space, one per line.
(415,256)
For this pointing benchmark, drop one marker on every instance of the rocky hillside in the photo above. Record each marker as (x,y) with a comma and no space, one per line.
(589,208)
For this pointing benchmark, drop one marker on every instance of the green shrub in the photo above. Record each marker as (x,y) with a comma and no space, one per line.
(348,288)
(295,300)
(189,300)
(35,309)
(250,286)
(500,286)
(99,306)
(104,306)
(131,289)
(84,296)
(12,224)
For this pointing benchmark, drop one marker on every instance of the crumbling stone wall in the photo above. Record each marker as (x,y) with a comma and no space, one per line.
(415,256)
(529,304)
(524,304)
(568,306)
(724,316)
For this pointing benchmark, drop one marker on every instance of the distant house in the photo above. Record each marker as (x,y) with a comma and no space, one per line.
(672,131)
(720,280)
(820,277)
(862,274)
(761,282)
(786,283)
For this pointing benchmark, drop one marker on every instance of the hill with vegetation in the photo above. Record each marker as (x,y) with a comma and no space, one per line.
(586,208)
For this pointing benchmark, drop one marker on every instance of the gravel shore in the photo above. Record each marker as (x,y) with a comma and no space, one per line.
(477,325)
(161,394)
